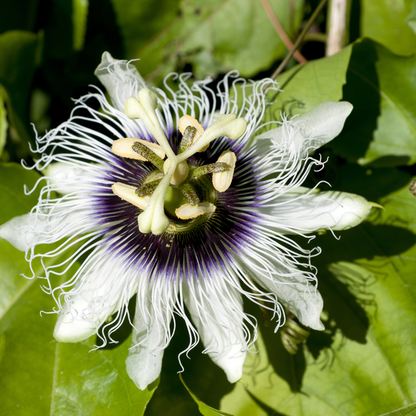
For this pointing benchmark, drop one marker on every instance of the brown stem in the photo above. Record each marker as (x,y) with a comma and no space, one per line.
(281,31)
(299,39)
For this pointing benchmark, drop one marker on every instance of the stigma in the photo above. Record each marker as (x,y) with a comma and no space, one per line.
(175,189)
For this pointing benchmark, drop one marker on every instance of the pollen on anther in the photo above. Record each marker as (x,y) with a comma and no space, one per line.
(123,148)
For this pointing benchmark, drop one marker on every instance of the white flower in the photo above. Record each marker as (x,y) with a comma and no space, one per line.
(187,241)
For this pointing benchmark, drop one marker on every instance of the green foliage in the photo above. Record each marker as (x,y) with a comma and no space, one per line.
(387,22)
(404,411)
(361,364)
(40,376)
(213,36)
(19,53)
(307,85)
(382,88)
(204,409)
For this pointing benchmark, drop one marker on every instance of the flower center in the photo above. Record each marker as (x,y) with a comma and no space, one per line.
(175,188)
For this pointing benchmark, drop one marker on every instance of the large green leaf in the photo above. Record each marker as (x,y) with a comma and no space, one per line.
(19,53)
(386,22)
(203,407)
(14,202)
(213,36)
(38,375)
(363,363)
(404,411)
(141,21)
(382,88)
(307,85)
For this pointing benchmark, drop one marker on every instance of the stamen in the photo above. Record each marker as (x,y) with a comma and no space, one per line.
(189,193)
(128,193)
(145,110)
(123,148)
(187,138)
(180,174)
(148,188)
(226,125)
(148,154)
(187,121)
(222,180)
(211,168)
(187,211)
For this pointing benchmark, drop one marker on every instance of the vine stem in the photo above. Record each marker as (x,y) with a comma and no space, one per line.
(281,31)
(299,39)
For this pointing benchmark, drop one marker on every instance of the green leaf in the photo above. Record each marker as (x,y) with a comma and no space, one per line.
(386,22)
(40,376)
(79,21)
(404,411)
(411,18)
(141,21)
(14,202)
(3,122)
(20,56)
(203,408)
(305,86)
(362,364)
(382,88)
(213,36)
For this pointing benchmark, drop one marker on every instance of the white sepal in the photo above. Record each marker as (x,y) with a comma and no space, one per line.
(21,232)
(150,328)
(292,287)
(312,129)
(119,78)
(217,314)
(310,212)
(99,291)
(67,178)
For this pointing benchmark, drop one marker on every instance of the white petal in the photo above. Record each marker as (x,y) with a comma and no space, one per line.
(73,325)
(100,291)
(292,287)
(66,177)
(21,232)
(320,125)
(309,212)
(151,326)
(325,121)
(217,313)
(121,79)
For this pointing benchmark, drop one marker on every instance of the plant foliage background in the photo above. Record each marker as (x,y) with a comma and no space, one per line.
(364,363)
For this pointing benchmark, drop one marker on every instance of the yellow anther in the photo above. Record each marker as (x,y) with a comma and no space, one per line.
(128,193)
(186,121)
(187,211)
(225,125)
(180,174)
(222,180)
(123,148)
